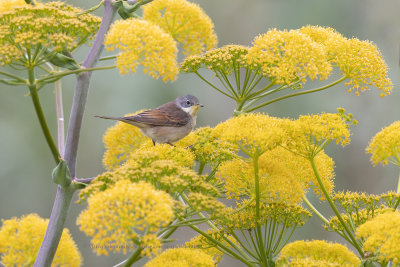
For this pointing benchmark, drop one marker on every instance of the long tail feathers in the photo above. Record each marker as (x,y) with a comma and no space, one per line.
(109,118)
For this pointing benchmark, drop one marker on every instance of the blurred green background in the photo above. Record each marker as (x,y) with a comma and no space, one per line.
(26,163)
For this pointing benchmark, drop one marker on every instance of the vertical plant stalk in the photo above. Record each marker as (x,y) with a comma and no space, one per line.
(39,112)
(64,195)
(60,117)
(354,241)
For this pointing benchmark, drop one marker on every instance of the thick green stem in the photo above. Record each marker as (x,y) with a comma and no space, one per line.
(40,115)
(335,210)
(299,93)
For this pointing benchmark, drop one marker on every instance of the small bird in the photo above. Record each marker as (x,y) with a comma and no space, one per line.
(169,122)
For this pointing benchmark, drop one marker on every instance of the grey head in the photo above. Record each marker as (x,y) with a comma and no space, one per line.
(187,101)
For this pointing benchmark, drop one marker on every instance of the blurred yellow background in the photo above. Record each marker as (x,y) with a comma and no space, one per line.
(26,162)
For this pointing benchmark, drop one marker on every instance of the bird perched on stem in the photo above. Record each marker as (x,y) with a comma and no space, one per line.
(169,122)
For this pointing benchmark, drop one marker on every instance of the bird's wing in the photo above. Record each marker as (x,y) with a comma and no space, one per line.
(165,115)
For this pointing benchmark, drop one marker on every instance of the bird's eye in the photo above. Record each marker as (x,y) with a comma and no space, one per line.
(188,102)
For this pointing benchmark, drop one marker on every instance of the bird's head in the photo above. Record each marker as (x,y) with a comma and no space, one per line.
(189,104)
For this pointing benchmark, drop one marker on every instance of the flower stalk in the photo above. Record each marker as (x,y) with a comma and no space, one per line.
(64,195)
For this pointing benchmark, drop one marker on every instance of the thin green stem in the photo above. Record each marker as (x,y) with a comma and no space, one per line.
(213,86)
(311,206)
(40,115)
(13,76)
(299,93)
(201,168)
(133,258)
(222,246)
(108,58)
(335,210)
(398,185)
(222,77)
(59,75)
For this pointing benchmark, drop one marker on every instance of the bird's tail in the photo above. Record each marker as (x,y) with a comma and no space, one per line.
(109,118)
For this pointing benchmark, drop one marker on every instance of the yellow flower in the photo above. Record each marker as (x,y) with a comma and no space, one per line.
(283,176)
(120,141)
(31,29)
(253,133)
(385,145)
(142,42)
(166,167)
(223,59)
(317,253)
(288,57)
(20,240)
(188,24)
(322,35)
(202,243)
(244,216)
(8,5)
(362,62)
(207,148)
(117,217)
(382,237)
(309,134)
(182,257)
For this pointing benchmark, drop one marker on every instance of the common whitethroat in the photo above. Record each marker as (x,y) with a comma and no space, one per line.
(169,122)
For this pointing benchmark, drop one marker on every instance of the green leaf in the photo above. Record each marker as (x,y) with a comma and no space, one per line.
(78,185)
(62,60)
(61,174)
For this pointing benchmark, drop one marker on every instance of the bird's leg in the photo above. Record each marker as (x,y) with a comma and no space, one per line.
(171,144)
(189,147)
(154,143)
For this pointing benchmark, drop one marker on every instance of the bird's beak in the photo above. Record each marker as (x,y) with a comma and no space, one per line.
(200,105)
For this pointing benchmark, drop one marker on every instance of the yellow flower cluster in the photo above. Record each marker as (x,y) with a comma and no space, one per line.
(207,148)
(187,23)
(253,133)
(223,59)
(34,28)
(182,257)
(117,217)
(146,43)
(201,202)
(20,240)
(244,216)
(385,145)
(317,253)
(310,133)
(167,168)
(202,243)
(283,176)
(8,5)
(120,140)
(360,61)
(382,237)
(288,56)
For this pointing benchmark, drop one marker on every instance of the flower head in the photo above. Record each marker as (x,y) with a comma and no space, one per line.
(143,42)
(121,213)
(120,141)
(285,214)
(207,148)
(20,240)
(317,253)
(223,59)
(182,257)
(309,134)
(32,29)
(385,145)
(8,5)
(283,176)
(188,24)
(382,236)
(289,56)
(252,133)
